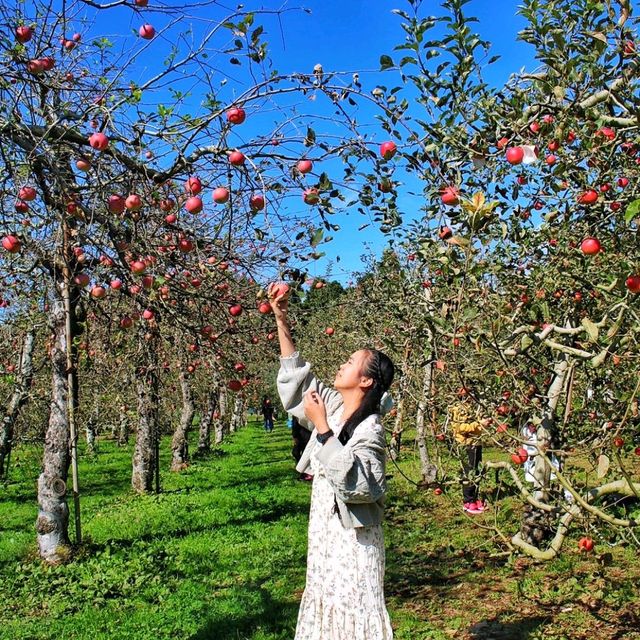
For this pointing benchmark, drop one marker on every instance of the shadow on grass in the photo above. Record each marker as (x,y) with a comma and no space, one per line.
(416,574)
(496,630)
(273,617)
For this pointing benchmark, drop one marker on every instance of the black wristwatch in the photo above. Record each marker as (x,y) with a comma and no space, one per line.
(323,437)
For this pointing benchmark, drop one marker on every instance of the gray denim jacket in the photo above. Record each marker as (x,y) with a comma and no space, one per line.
(356,471)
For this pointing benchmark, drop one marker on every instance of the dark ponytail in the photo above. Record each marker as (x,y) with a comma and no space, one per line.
(380,369)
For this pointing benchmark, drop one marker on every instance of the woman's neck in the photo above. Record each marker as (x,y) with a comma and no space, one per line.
(351,400)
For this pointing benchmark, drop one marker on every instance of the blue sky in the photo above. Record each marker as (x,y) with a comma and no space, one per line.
(346,35)
(352,34)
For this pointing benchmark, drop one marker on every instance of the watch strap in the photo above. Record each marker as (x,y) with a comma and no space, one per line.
(323,437)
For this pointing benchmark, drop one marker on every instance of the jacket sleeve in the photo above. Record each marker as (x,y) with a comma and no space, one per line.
(294,380)
(356,471)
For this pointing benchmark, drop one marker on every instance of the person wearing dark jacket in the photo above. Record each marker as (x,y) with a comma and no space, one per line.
(267,412)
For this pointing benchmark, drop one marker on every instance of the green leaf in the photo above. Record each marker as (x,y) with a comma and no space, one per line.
(386,62)
(632,211)
(316,238)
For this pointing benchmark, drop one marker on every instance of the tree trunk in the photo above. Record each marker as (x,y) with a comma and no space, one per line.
(220,423)
(204,436)
(537,525)
(180,442)
(237,418)
(52,525)
(427,468)
(90,434)
(17,401)
(219,417)
(396,434)
(123,431)
(145,451)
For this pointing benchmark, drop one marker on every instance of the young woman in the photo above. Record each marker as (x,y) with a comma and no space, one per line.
(344,596)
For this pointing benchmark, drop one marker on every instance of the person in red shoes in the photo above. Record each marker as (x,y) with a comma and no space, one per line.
(467,430)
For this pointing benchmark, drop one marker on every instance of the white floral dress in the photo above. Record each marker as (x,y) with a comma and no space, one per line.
(344,594)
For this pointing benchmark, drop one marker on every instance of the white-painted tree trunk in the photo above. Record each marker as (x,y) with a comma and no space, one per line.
(52,525)
(24,376)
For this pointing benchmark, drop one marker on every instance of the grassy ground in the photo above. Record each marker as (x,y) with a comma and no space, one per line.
(220,555)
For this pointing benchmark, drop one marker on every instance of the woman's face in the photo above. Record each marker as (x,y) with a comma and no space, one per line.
(351,374)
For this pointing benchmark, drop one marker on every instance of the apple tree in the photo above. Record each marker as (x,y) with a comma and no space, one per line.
(529,240)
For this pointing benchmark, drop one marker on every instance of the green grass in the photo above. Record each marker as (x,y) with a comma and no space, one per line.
(220,555)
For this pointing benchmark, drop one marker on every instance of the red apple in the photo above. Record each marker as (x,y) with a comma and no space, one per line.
(445,233)
(35,67)
(98,141)
(98,291)
(235,310)
(437,491)
(27,193)
(185,245)
(236,158)
(256,202)
(147,314)
(221,195)
(23,34)
(590,246)
(141,3)
(126,322)
(138,267)
(21,207)
(133,202)
(388,150)
(234,385)
(329,331)
(520,457)
(623,182)
(193,185)
(116,203)
(171,218)
(585,545)
(81,279)
(11,244)
(116,284)
(83,164)
(236,115)
(304,166)
(514,155)
(311,196)
(588,197)
(147,32)
(264,307)
(618,442)
(193,204)
(633,284)
(450,196)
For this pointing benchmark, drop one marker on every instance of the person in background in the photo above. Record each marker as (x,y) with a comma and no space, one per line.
(267,413)
(467,430)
